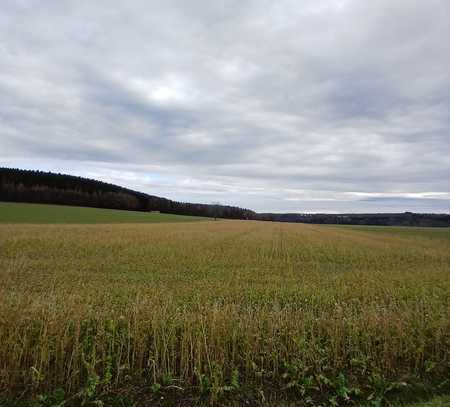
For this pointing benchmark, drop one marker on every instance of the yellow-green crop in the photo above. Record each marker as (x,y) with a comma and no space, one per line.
(223,309)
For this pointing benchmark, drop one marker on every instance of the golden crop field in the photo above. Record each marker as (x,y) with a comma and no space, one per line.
(226,311)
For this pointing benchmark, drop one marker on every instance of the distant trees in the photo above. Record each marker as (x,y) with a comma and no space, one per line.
(380,219)
(46,187)
(215,209)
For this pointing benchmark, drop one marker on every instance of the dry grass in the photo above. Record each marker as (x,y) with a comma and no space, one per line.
(223,308)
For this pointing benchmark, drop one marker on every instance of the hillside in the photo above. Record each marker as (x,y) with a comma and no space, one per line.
(18,185)
(12,212)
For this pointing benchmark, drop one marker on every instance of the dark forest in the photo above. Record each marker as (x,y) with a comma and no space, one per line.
(18,185)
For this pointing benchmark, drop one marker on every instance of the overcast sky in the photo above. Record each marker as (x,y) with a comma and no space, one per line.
(300,106)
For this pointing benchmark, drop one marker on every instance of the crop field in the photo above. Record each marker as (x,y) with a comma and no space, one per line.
(226,312)
(41,214)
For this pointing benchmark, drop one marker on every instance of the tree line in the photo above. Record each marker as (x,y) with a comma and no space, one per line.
(374,219)
(17,185)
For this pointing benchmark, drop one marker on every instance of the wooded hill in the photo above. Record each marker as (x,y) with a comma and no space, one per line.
(45,187)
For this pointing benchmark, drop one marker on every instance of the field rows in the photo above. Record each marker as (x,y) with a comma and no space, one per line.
(218,309)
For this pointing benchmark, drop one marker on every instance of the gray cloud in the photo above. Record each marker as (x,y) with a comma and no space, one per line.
(279,106)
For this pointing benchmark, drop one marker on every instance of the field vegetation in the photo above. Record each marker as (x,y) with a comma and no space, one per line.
(239,312)
(40,213)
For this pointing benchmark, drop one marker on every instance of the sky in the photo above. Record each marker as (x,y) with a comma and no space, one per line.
(283,106)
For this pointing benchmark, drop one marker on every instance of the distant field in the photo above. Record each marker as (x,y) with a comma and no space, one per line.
(41,214)
(406,231)
(223,312)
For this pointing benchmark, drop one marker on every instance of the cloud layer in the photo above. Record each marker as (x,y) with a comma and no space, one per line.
(312,106)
